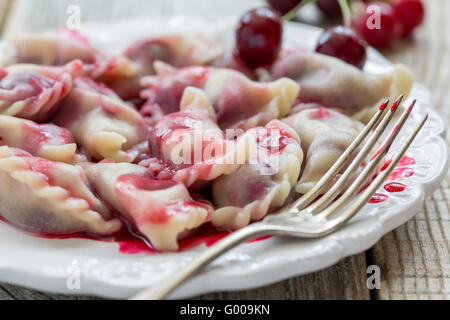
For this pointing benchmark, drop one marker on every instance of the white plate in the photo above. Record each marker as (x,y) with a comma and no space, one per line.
(49,265)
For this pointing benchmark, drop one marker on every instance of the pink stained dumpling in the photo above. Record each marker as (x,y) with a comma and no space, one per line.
(102,124)
(41,140)
(325,135)
(177,50)
(191,146)
(34,92)
(333,83)
(264,183)
(58,198)
(58,49)
(162,211)
(237,101)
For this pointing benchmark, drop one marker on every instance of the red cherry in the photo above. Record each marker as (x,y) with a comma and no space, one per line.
(378,25)
(343,43)
(283,6)
(259,37)
(410,13)
(330,8)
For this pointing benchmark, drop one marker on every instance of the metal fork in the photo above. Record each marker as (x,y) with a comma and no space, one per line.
(306,218)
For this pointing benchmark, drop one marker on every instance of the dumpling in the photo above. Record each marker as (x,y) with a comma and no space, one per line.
(264,183)
(335,84)
(101,123)
(230,60)
(50,198)
(192,146)
(325,135)
(177,50)
(162,211)
(42,140)
(61,48)
(238,101)
(33,92)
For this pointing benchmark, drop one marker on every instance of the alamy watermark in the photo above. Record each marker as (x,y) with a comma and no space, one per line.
(374,20)
(373,277)
(73,281)
(74,17)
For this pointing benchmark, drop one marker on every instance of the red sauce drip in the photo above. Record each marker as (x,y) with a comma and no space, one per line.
(378,198)
(386,164)
(403,172)
(206,235)
(73,34)
(406,161)
(145,183)
(259,239)
(396,103)
(384,105)
(394,187)
(3,73)
(134,246)
(130,243)
(319,113)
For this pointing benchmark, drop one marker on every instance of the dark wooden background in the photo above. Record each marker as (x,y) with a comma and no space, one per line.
(414,259)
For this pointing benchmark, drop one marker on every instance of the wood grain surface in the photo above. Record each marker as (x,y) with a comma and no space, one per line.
(414,259)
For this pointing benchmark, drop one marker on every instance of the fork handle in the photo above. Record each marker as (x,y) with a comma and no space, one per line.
(164,288)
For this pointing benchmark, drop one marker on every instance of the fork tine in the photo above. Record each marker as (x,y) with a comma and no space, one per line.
(376,184)
(368,170)
(334,191)
(307,198)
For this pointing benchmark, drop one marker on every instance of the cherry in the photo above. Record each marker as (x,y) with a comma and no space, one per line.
(259,37)
(343,43)
(283,6)
(410,13)
(380,35)
(330,8)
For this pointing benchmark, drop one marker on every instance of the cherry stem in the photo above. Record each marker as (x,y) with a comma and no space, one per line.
(345,8)
(346,13)
(291,14)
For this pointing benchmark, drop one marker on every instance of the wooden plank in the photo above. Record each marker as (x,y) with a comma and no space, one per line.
(10,292)
(345,280)
(415,259)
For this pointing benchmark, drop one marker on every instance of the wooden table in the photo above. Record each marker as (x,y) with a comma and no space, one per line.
(414,259)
